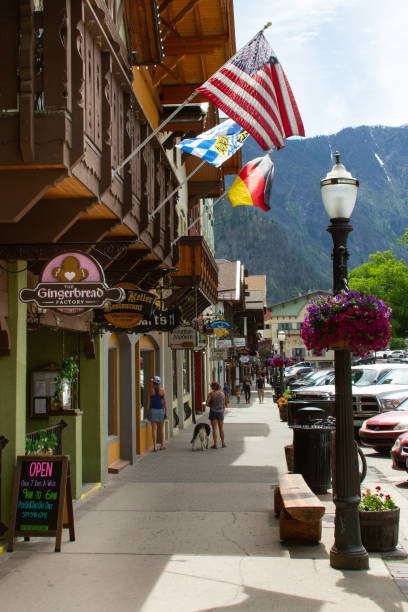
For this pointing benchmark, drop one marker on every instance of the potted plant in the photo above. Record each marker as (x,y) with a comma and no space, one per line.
(65,381)
(379,521)
(44,444)
(283,405)
(348,320)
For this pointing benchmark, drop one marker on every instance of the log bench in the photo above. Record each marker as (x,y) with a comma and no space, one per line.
(299,510)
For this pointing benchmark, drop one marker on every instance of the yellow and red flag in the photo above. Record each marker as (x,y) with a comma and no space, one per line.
(253,185)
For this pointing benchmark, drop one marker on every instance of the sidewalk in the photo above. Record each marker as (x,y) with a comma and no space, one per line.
(188,532)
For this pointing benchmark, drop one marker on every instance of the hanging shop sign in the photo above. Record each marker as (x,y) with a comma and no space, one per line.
(182,338)
(136,306)
(244,358)
(159,320)
(239,342)
(242,350)
(225,343)
(219,354)
(72,283)
(220,327)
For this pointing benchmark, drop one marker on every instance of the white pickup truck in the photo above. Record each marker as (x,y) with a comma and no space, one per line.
(369,382)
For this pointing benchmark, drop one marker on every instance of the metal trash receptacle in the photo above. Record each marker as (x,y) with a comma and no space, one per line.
(307,415)
(312,452)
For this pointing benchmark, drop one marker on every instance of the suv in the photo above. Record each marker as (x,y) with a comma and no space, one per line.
(368,382)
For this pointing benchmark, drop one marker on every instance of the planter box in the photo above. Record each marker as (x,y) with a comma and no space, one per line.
(379,529)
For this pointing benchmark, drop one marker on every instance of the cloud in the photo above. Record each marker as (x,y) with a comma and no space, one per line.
(345,59)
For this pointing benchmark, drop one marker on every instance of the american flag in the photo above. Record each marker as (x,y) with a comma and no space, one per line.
(253,90)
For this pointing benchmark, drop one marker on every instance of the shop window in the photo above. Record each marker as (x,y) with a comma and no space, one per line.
(112,392)
(186,372)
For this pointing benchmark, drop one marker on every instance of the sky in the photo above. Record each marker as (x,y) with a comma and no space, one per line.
(346,60)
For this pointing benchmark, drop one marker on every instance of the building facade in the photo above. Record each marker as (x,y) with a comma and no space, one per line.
(74,106)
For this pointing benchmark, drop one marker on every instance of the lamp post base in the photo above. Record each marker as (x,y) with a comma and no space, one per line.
(349,559)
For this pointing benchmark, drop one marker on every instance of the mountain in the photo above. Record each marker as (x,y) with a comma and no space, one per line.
(289,244)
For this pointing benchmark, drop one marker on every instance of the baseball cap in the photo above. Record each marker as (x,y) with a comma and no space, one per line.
(156,379)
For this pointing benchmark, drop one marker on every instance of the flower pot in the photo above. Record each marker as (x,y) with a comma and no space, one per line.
(283,412)
(289,457)
(379,529)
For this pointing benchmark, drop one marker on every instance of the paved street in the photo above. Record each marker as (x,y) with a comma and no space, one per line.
(187,532)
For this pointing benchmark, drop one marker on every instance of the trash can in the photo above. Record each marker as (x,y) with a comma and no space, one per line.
(312,451)
(307,415)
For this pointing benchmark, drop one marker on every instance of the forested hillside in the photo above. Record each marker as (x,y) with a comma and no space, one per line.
(290,243)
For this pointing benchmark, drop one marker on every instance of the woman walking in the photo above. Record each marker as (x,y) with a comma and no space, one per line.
(156,408)
(246,385)
(216,403)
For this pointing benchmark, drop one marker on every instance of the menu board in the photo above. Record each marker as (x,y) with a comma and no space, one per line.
(41,488)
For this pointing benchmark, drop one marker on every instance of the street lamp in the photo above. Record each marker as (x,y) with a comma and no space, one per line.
(281,338)
(339,193)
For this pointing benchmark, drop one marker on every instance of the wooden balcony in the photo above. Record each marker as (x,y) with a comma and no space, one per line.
(67,123)
(196,280)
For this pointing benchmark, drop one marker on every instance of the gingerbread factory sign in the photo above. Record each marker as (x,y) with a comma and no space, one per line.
(72,283)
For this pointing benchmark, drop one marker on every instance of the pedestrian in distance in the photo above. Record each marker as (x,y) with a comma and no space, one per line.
(238,394)
(216,403)
(227,393)
(246,385)
(156,409)
(260,385)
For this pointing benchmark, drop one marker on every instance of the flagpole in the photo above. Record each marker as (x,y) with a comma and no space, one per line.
(198,218)
(179,108)
(163,202)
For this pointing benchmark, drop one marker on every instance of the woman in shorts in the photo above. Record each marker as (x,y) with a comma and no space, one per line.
(216,403)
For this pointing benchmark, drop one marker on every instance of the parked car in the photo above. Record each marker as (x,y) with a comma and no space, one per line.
(399,453)
(364,360)
(381,431)
(395,356)
(389,400)
(313,378)
(367,383)
(297,373)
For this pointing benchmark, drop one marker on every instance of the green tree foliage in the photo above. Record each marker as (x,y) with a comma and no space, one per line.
(386,277)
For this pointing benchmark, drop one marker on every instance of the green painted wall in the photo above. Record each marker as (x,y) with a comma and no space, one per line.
(13,385)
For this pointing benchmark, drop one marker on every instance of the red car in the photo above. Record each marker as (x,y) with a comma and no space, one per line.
(381,431)
(399,453)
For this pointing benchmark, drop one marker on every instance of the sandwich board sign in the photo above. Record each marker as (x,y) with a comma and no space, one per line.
(42,490)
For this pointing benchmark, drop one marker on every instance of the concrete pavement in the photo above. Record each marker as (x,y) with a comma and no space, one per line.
(188,532)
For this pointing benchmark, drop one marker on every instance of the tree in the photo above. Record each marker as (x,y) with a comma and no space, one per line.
(387,278)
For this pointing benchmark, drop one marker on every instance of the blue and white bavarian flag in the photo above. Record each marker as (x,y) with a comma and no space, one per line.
(216,145)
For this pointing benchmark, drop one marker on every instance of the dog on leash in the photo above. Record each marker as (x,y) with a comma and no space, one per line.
(202,433)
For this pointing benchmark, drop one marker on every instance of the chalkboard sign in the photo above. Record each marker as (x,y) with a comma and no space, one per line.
(42,488)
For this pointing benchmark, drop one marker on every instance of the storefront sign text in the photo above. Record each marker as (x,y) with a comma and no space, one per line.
(71,283)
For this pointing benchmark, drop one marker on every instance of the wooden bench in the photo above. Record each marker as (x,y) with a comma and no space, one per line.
(299,509)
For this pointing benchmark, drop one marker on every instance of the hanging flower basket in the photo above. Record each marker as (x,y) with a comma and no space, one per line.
(277,362)
(348,320)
